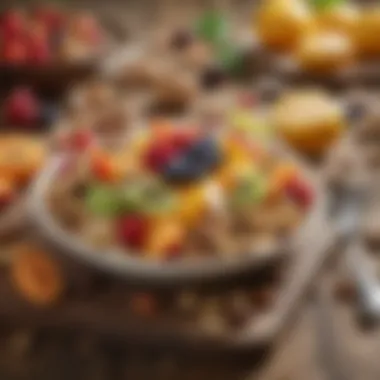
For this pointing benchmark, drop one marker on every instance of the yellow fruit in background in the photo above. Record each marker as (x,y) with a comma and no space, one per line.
(310,121)
(367,32)
(279,24)
(325,51)
(340,18)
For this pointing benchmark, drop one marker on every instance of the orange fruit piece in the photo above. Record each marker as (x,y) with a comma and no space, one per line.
(164,235)
(280,177)
(36,276)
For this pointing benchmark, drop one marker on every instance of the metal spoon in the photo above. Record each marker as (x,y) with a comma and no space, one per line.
(348,208)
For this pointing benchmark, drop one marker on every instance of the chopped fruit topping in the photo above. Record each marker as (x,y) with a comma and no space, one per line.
(282,175)
(104,169)
(250,190)
(203,156)
(22,107)
(192,204)
(165,234)
(132,231)
(300,192)
(103,201)
(158,155)
(37,276)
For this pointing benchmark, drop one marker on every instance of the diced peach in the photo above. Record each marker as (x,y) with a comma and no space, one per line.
(280,177)
(36,276)
(165,234)
(192,204)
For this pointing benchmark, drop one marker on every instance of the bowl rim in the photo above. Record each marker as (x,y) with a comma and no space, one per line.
(135,269)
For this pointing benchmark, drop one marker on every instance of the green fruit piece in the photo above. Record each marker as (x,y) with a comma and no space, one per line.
(250,191)
(132,199)
(158,199)
(148,196)
(212,27)
(103,201)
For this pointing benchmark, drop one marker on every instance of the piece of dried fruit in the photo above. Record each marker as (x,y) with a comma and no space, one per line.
(37,276)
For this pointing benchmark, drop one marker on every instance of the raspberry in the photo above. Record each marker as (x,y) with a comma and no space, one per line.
(300,192)
(182,140)
(132,231)
(12,24)
(159,155)
(38,50)
(22,107)
(15,51)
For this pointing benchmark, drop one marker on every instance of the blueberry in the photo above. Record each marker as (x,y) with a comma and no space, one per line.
(212,77)
(206,153)
(182,170)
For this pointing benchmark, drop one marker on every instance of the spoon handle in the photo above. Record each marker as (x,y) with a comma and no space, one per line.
(367,284)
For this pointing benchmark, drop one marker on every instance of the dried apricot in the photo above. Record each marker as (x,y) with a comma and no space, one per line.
(37,276)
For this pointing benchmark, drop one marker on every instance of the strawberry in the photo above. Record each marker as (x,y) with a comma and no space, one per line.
(132,230)
(22,107)
(12,24)
(300,192)
(39,50)
(15,51)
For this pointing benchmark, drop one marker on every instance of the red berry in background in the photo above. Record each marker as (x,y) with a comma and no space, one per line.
(39,51)
(52,18)
(22,108)
(300,192)
(15,51)
(132,230)
(12,24)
